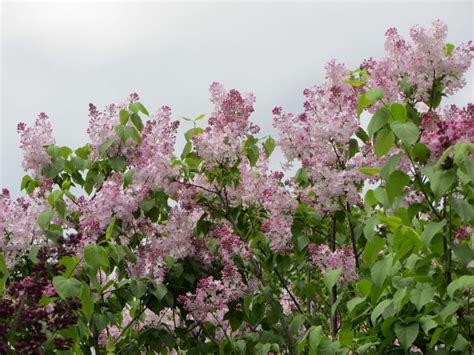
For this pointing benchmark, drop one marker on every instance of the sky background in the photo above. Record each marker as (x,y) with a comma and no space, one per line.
(59,57)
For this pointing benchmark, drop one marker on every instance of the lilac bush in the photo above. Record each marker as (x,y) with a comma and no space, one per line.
(126,246)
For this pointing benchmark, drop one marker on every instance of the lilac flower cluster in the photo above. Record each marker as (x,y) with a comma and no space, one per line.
(427,59)
(452,125)
(32,140)
(325,260)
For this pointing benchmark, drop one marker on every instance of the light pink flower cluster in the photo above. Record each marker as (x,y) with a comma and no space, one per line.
(230,244)
(102,130)
(33,142)
(325,260)
(280,207)
(175,238)
(152,158)
(211,297)
(264,188)
(221,141)
(319,138)
(427,58)
(453,125)
(109,201)
(18,227)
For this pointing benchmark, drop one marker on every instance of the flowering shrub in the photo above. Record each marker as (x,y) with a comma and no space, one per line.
(125,246)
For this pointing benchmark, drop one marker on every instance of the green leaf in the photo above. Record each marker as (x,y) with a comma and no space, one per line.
(252,153)
(448,49)
(110,229)
(86,300)
(362,135)
(396,183)
(67,287)
(431,229)
(127,177)
(314,336)
(399,112)
(123,117)
(464,210)
(379,309)
(407,132)
(378,272)
(449,310)
(136,107)
(297,322)
(105,146)
(118,163)
(406,333)
(383,142)
(378,121)
(331,277)
(44,219)
(192,132)
(374,94)
(269,146)
(420,296)
(440,180)
(368,98)
(135,135)
(138,288)
(137,121)
(390,166)
(461,284)
(187,149)
(369,171)
(94,256)
(372,250)
(353,148)
(420,152)
(353,303)
(159,290)
(123,132)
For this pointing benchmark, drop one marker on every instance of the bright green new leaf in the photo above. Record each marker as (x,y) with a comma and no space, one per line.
(123,117)
(399,112)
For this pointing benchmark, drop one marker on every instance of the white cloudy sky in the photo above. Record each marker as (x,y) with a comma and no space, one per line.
(58,57)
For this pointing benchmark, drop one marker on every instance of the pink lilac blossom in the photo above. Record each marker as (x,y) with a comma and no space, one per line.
(319,138)
(102,130)
(33,143)
(325,260)
(152,158)
(422,61)
(18,227)
(210,300)
(452,125)
(464,233)
(175,238)
(110,201)
(221,140)
(230,244)
(267,189)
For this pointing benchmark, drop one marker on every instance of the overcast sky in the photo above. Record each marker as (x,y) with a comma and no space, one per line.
(58,57)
